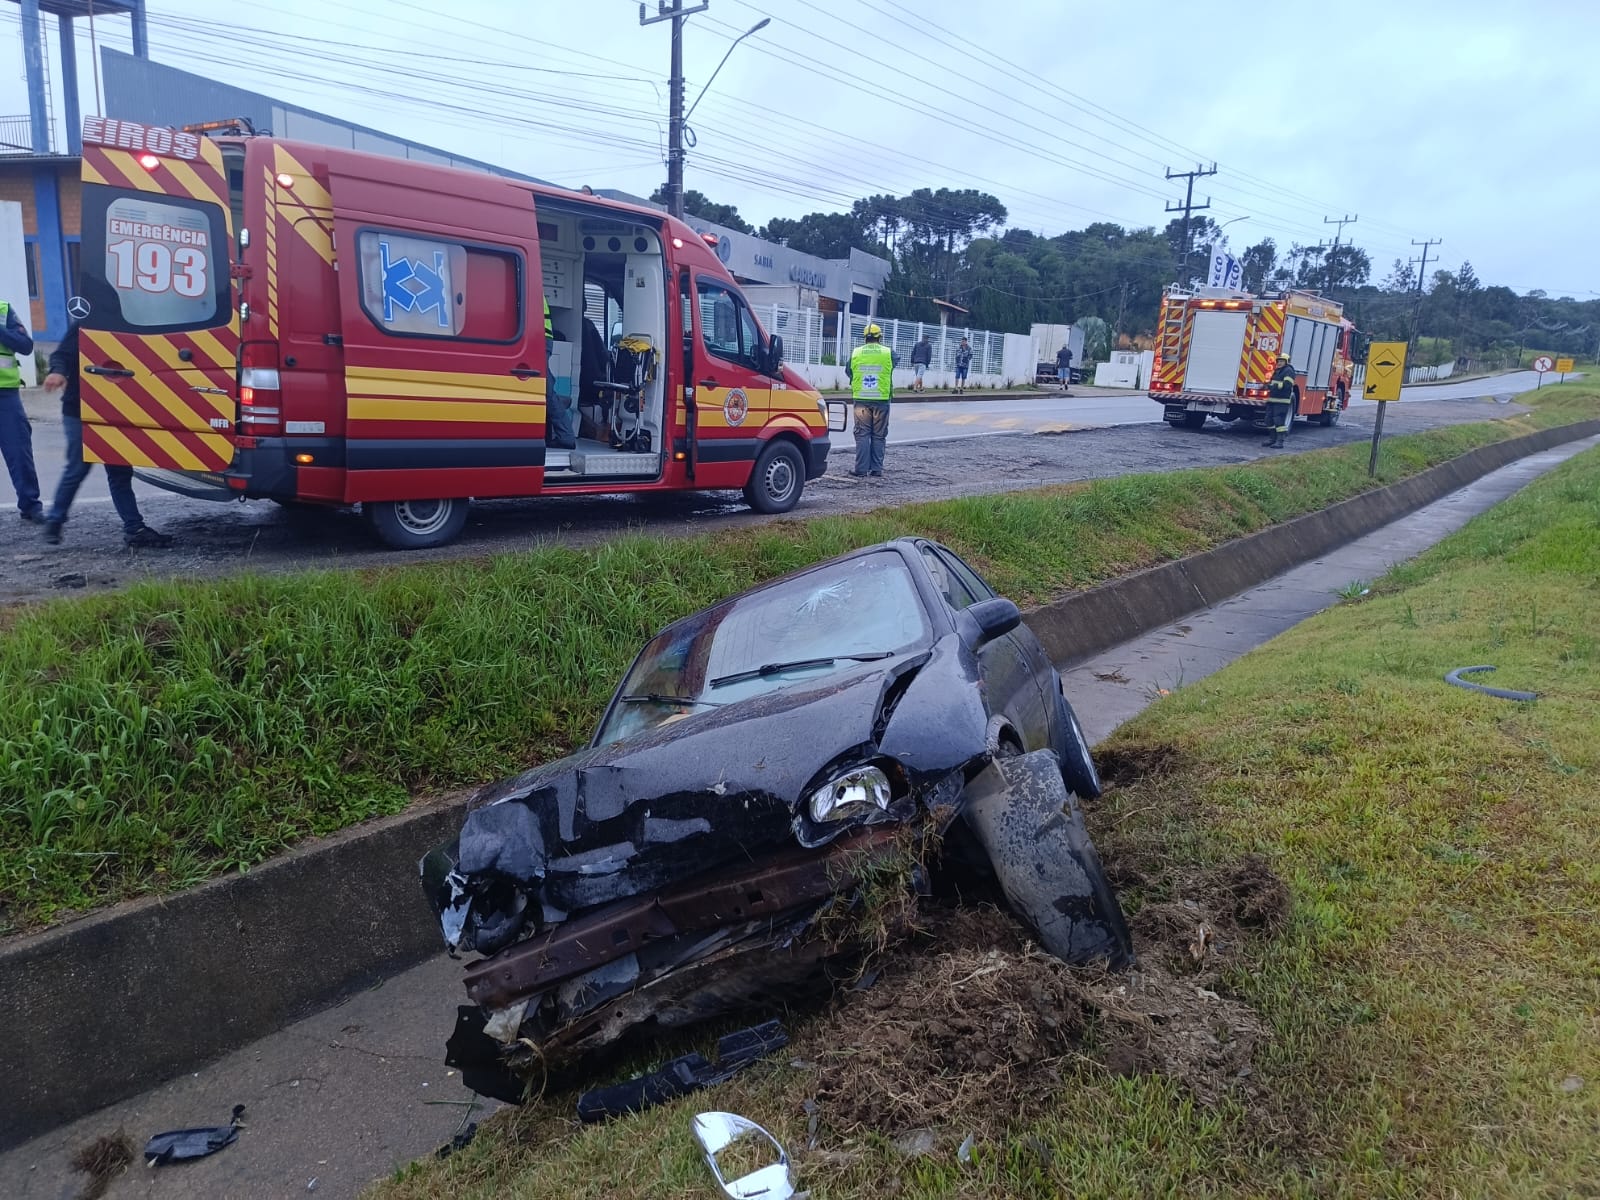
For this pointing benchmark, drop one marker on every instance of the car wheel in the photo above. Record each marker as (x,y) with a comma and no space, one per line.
(416,524)
(1192,420)
(1072,748)
(1032,829)
(777,480)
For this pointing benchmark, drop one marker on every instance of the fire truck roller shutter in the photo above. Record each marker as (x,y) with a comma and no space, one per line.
(1214,351)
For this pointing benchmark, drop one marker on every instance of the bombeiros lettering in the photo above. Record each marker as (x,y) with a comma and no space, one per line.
(130,135)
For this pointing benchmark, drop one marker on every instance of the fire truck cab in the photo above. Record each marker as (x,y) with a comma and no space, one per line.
(1216,349)
(318,326)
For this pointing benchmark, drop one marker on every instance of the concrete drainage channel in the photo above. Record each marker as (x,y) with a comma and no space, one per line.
(106,1007)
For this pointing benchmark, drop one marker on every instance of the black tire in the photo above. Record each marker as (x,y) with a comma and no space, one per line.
(416,524)
(1191,420)
(1072,748)
(1329,419)
(778,478)
(1032,829)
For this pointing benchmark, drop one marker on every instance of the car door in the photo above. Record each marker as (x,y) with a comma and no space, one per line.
(1009,667)
(732,396)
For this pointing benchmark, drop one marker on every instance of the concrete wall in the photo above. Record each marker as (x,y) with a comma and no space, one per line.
(110,1005)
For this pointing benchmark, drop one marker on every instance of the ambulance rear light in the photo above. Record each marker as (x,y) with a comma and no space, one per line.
(260,378)
(149,162)
(258,388)
(710,239)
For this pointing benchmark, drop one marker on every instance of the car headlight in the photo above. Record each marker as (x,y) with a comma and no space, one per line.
(858,792)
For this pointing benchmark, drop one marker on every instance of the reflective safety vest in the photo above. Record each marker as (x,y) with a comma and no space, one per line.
(871,368)
(10,367)
(549,329)
(1280,388)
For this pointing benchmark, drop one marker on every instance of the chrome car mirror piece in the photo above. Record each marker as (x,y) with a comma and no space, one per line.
(716,1131)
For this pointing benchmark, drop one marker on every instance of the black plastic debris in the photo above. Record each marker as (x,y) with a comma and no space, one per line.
(460,1141)
(182,1144)
(683,1075)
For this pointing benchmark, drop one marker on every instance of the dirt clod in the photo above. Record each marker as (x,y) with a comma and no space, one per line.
(972,1024)
(102,1160)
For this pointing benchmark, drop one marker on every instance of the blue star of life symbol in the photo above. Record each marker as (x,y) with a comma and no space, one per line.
(411,285)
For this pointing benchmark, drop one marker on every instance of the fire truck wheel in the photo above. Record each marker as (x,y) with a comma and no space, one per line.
(1191,420)
(416,524)
(779,475)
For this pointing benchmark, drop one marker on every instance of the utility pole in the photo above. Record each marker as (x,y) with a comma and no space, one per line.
(1188,206)
(675,12)
(1341,222)
(1416,313)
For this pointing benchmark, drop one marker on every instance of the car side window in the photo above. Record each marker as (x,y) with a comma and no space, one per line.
(955,591)
(727,327)
(966,576)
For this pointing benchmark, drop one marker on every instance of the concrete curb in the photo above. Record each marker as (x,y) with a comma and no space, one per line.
(112,1004)
(1082,625)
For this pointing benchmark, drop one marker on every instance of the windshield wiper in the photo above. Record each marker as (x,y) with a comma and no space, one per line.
(659,698)
(798,664)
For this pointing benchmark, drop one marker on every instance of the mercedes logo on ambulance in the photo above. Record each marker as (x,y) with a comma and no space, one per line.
(77,308)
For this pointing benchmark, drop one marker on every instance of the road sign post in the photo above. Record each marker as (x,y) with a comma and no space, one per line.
(1542,364)
(1386,371)
(1563,368)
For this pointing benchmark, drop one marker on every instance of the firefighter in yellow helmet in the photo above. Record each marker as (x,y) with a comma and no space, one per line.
(1283,397)
(871,371)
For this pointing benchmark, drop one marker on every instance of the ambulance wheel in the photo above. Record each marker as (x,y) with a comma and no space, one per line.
(1191,420)
(779,475)
(416,524)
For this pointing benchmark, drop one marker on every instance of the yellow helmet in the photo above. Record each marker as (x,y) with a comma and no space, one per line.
(872,333)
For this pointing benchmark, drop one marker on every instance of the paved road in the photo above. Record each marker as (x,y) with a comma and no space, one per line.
(354,1091)
(217,538)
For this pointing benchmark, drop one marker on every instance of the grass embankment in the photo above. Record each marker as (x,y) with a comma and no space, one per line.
(158,736)
(1429,1007)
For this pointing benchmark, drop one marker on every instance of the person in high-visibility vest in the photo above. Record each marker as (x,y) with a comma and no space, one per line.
(1283,391)
(16,433)
(871,372)
(549,328)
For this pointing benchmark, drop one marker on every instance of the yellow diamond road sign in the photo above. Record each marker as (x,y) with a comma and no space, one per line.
(1563,366)
(1386,370)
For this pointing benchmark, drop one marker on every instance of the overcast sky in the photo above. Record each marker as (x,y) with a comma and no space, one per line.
(1456,119)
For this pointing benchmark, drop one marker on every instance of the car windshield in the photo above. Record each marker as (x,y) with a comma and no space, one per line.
(826,620)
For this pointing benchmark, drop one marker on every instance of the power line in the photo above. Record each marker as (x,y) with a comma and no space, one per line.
(1187,207)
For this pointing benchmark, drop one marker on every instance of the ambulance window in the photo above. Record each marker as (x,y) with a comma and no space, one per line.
(154,262)
(726,326)
(424,287)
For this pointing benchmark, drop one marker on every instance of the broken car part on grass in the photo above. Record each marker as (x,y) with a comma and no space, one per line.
(685,1074)
(719,1133)
(769,772)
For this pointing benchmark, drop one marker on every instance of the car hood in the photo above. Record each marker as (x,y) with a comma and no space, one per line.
(716,787)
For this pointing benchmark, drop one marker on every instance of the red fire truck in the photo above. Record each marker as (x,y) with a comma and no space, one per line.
(312,325)
(1216,350)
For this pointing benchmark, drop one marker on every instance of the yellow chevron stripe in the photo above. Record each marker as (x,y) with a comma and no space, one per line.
(197,187)
(152,383)
(221,357)
(309,191)
(176,450)
(367,408)
(92,175)
(167,353)
(393,381)
(130,453)
(130,172)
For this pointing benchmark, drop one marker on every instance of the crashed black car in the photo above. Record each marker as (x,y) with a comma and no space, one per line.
(756,760)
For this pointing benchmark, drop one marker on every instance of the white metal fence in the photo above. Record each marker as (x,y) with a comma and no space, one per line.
(809,342)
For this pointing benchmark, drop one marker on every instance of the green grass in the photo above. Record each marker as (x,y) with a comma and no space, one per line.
(1431,1003)
(158,736)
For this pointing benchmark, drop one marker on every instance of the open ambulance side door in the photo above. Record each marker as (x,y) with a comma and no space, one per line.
(441,309)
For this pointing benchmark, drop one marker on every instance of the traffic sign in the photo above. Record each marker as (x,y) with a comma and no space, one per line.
(1386,371)
(1543,363)
(1563,366)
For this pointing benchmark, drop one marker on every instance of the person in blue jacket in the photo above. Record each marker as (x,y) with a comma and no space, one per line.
(16,431)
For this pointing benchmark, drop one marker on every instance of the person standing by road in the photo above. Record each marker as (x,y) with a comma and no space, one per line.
(1283,395)
(16,432)
(921,360)
(63,377)
(963,365)
(1064,368)
(871,372)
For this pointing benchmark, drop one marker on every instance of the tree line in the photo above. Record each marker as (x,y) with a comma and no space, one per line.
(954,245)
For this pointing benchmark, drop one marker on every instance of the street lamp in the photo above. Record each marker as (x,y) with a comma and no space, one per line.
(756,28)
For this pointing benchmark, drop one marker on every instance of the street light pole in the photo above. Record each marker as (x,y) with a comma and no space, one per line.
(756,28)
(676,13)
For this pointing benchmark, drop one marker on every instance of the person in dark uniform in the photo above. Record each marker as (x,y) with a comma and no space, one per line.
(1283,396)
